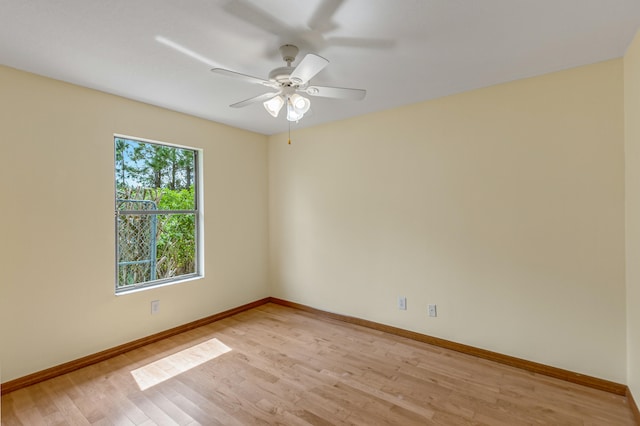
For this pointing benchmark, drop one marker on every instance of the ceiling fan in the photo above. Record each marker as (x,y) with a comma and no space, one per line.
(288,83)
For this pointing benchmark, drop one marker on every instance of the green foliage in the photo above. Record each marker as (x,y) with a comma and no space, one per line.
(182,199)
(176,234)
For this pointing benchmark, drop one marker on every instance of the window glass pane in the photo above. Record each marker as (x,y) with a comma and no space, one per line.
(147,171)
(155,247)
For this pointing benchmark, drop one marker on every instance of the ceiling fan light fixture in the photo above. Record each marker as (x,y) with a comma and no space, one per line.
(274,105)
(292,113)
(297,106)
(300,103)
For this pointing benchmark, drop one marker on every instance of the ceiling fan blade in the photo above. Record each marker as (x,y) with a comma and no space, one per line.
(256,16)
(308,68)
(243,77)
(321,18)
(259,98)
(336,92)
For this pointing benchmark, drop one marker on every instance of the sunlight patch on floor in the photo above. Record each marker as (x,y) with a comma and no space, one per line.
(172,365)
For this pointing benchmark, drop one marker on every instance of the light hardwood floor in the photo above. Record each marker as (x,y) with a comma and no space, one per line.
(278,365)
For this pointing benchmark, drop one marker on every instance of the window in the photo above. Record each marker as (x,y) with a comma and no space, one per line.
(157,216)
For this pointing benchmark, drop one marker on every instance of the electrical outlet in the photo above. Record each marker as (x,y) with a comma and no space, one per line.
(402,303)
(432,310)
(155,306)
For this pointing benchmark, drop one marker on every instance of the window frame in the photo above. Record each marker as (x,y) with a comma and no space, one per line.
(196,212)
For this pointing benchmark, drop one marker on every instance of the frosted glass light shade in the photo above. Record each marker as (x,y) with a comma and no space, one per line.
(274,105)
(292,114)
(300,103)
(296,107)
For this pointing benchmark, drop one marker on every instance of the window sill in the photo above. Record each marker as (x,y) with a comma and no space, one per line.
(154,286)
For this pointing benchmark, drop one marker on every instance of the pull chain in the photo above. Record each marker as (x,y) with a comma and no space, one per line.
(289,131)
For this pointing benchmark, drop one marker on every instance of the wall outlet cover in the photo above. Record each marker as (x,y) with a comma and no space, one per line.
(402,303)
(432,310)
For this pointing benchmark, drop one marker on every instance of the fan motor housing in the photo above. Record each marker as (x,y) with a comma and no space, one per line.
(281,75)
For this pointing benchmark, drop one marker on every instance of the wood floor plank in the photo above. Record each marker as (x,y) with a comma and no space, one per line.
(291,367)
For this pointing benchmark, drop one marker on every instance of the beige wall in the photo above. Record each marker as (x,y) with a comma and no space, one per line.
(632,181)
(57,298)
(504,206)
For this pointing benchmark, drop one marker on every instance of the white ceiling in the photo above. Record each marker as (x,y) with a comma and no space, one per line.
(401,51)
